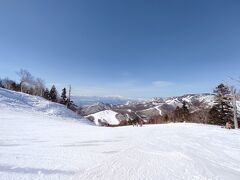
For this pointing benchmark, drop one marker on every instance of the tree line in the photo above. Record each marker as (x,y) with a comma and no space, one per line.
(36,86)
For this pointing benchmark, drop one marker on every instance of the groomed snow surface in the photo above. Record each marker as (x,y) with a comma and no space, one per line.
(36,144)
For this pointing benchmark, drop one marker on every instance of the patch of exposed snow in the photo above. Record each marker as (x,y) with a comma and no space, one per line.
(107,116)
(174,102)
(159,110)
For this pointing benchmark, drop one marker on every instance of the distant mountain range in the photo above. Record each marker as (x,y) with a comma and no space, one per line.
(127,110)
(89,100)
(130,109)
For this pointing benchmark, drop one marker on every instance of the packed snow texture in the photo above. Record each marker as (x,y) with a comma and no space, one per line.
(36,144)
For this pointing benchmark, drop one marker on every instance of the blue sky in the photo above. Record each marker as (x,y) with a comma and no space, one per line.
(131,48)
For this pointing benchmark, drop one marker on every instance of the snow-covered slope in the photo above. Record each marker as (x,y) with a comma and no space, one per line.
(105,117)
(36,144)
(24,102)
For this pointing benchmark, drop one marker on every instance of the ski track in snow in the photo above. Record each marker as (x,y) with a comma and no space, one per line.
(36,144)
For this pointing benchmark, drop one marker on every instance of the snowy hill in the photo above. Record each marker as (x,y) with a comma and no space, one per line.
(24,102)
(105,117)
(46,144)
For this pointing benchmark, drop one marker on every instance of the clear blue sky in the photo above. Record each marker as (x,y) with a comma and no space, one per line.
(132,48)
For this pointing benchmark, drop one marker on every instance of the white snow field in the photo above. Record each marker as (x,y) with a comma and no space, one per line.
(48,142)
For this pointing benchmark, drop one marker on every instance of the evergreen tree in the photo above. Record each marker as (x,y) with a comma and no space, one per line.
(222,111)
(53,94)
(1,84)
(185,114)
(64,99)
(165,118)
(177,114)
(182,114)
(213,115)
(46,94)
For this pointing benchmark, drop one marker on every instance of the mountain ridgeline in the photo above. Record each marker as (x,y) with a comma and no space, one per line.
(217,108)
(187,108)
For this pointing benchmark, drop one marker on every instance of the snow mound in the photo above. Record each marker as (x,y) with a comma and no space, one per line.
(24,102)
(105,117)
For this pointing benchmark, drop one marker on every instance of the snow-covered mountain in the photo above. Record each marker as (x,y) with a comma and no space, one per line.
(148,109)
(90,100)
(105,117)
(192,100)
(46,141)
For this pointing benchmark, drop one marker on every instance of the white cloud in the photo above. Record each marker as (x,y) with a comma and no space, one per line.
(163,83)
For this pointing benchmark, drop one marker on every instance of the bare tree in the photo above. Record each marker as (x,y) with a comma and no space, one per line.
(25,76)
(26,80)
(7,83)
(39,87)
